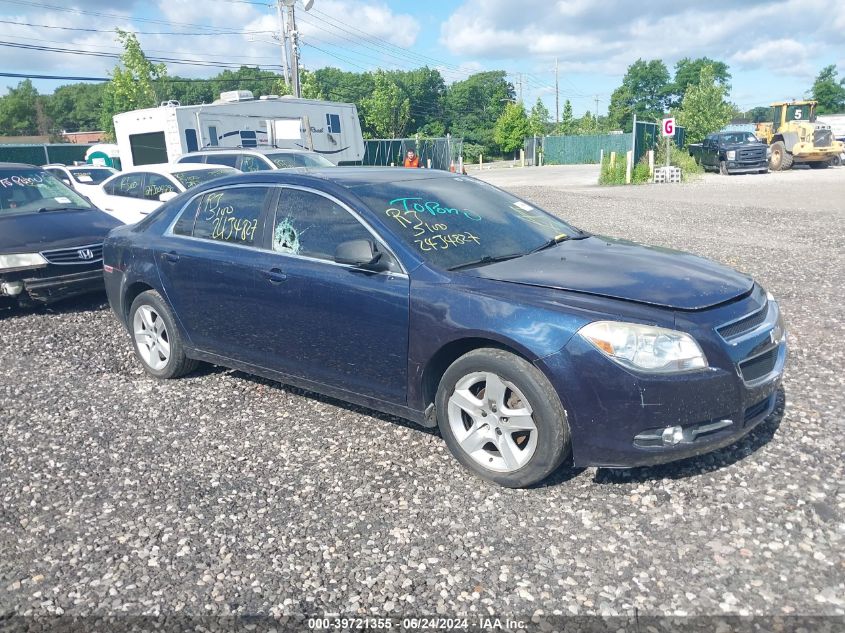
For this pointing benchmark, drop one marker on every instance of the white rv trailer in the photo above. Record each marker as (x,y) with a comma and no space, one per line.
(160,135)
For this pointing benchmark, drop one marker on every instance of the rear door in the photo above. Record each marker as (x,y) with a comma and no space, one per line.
(213,272)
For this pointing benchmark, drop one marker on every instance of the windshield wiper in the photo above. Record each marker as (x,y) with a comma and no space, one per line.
(487,259)
(557,239)
(45,209)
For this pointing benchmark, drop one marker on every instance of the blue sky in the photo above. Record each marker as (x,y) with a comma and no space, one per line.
(594,41)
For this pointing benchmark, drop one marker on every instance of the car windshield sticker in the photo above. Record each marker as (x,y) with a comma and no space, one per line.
(522,205)
(84,178)
(62,199)
(225,221)
(286,238)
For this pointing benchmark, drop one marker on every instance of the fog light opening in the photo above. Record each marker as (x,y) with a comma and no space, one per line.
(11,288)
(672,435)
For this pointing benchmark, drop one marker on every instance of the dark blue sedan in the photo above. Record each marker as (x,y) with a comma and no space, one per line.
(444,300)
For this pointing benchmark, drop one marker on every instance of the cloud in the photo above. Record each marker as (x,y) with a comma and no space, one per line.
(605,37)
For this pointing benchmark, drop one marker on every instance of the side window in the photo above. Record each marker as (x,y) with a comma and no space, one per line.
(253,163)
(230,215)
(191,158)
(311,225)
(333,123)
(58,173)
(229,160)
(213,141)
(191,139)
(157,185)
(128,186)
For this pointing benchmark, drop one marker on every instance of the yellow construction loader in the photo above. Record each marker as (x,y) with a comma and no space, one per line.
(794,137)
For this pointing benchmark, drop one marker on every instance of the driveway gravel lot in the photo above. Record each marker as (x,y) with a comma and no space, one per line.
(222,493)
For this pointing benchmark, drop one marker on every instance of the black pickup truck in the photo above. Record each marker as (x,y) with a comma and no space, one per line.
(731,153)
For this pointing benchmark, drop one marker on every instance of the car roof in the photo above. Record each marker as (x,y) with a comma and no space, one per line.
(18,166)
(170,168)
(348,177)
(248,150)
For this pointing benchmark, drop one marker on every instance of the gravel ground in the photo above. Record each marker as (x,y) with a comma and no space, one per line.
(226,494)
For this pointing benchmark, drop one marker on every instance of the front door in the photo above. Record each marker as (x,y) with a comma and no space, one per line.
(326,322)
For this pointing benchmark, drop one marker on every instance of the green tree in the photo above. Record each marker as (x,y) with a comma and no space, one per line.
(132,86)
(473,105)
(388,108)
(567,120)
(586,124)
(704,109)
(758,114)
(76,107)
(539,118)
(18,110)
(644,92)
(829,92)
(688,73)
(511,128)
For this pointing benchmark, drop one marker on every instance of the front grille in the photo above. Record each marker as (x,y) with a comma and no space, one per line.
(759,366)
(752,154)
(823,138)
(75,255)
(745,324)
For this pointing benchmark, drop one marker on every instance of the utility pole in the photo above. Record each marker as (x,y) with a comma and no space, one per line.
(519,80)
(557,96)
(294,47)
(283,40)
(597,113)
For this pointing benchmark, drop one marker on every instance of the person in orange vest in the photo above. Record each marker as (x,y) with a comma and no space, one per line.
(412,160)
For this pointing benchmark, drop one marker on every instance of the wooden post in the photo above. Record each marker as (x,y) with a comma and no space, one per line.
(601,157)
(613,159)
(522,157)
(480,160)
(629,166)
(651,163)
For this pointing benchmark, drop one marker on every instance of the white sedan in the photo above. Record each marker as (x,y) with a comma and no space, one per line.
(136,192)
(84,179)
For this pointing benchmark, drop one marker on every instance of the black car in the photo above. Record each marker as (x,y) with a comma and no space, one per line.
(51,238)
(732,153)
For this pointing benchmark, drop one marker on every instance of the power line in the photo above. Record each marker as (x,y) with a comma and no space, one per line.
(72,28)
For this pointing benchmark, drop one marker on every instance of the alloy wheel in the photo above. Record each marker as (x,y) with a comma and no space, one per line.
(492,422)
(151,337)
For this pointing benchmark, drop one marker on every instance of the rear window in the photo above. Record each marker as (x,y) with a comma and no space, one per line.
(90,176)
(287,160)
(196,177)
(32,190)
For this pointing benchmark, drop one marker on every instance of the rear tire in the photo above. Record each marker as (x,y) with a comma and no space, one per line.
(780,160)
(836,161)
(157,341)
(501,418)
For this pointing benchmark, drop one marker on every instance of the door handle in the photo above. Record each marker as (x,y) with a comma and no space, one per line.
(171,257)
(275,276)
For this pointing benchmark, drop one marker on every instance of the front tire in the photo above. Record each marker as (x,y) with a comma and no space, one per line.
(157,341)
(780,160)
(819,165)
(501,418)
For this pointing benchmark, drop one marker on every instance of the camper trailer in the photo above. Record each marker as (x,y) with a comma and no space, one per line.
(237,119)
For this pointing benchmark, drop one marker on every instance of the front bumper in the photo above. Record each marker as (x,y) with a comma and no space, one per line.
(738,167)
(50,288)
(617,418)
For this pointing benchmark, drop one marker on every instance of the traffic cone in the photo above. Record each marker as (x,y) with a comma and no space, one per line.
(452,167)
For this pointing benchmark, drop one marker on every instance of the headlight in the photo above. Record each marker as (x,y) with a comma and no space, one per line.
(644,347)
(21,260)
(731,155)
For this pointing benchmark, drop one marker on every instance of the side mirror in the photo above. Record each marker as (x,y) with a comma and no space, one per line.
(360,253)
(167,196)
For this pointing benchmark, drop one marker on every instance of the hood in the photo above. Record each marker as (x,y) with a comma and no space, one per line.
(35,232)
(624,270)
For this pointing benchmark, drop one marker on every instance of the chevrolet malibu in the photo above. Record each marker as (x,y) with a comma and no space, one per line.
(449,302)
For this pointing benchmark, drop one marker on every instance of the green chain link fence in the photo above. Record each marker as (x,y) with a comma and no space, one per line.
(581,150)
(65,153)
